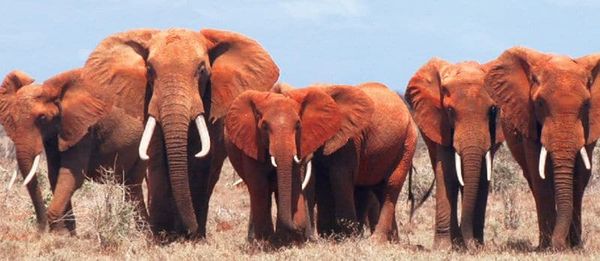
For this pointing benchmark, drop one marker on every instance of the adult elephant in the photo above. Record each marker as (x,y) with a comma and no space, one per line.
(188,77)
(372,154)
(271,138)
(550,109)
(458,121)
(80,136)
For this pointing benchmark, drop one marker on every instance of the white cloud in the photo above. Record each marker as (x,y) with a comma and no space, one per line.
(316,10)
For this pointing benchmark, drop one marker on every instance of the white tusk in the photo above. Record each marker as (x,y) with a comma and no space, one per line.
(204,137)
(12,180)
(237,182)
(488,165)
(273,162)
(542,166)
(33,170)
(584,157)
(296,159)
(458,169)
(308,174)
(146,136)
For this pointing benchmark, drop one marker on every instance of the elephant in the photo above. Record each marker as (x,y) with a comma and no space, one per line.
(371,154)
(550,110)
(458,121)
(80,136)
(271,138)
(187,76)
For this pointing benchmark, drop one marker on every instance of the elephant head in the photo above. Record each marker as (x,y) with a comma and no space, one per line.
(286,129)
(553,101)
(452,109)
(32,113)
(188,76)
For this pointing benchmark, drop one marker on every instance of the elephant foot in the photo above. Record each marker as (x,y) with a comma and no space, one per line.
(383,237)
(442,243)
(559,244)
(59,228)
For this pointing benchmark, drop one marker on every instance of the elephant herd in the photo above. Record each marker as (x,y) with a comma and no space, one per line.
(168,106)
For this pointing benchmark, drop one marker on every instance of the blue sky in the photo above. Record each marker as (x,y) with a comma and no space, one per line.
(324,41)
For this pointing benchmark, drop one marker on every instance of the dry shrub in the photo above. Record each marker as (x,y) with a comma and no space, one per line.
(108,217)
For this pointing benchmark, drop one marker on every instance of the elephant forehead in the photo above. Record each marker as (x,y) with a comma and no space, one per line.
(177,44)
(467,72)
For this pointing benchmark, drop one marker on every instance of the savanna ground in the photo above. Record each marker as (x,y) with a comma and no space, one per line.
(106,224)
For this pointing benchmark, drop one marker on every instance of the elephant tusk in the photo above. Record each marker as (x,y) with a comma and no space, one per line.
(542,166)
(273,162)
(584,157)
(296,159)
(204,137)
(488,165)
(308,174)
(33,170)
(237,182)
(458,169)
(146,136)
(12,180)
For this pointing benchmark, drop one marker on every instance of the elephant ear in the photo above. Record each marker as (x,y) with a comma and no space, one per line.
(15,80)
(508,81)
(79,109)
(10,85)
(592,64)
(496,125)
(320,116)
(241,125)
(119,64)
(238,63)
(424,96)
(356,109)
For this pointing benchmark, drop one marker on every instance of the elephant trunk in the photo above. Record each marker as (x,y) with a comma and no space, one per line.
(25,162)
(472,158)
(175,124)
(563,163)
(285,189)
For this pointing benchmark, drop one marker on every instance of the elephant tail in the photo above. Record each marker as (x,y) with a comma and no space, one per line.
(411,195)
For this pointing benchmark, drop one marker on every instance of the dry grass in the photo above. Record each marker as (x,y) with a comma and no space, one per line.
(106,226)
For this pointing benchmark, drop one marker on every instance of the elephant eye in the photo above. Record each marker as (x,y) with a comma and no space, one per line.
(150,71)
(202,69)
(42,118)
(298,126)
(534,80)
(590,82)
(264,126)
(493,111)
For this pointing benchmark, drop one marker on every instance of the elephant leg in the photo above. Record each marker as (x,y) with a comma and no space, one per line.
(325,203)
(480,208)
(543,193)
(582,177)
(343,166)
(373,211)
(343,195)
(361,199)
(74,163)
(133,182)
(261,222)
(386,228)
(447,232)
(161,205)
